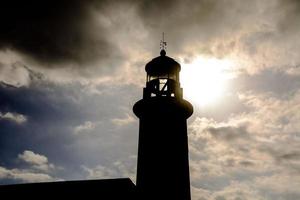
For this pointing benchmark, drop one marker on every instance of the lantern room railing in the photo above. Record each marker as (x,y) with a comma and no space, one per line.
(162,87)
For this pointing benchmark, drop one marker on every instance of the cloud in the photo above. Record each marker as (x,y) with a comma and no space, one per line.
(100,172)
(121,168)
(12,72)
(91,56)
(89,41)
(15,117)
(228,133)
(290,156)
(55,110)
(258,145)
(37,161)
(85,127)
(238,190)
(52,31)
(38,169)
(33,158)
(267,132)
(85,39)
(276,115)
(24,175)
(106,49)
(101,42)
(123,121)
(256,34)
(101,39)
(280,186)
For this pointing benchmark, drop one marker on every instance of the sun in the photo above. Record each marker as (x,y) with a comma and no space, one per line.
(205,80)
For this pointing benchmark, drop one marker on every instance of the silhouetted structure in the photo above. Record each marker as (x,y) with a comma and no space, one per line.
(163,166)
(112,189)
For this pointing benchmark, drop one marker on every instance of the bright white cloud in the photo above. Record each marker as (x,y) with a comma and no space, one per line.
(37,161)
(33,158)
(24,175)
(37,171)
(15,117)
(12,71)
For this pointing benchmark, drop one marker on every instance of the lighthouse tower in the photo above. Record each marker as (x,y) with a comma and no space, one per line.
(163,166)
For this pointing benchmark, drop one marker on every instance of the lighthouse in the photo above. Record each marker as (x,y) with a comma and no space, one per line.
(163,161)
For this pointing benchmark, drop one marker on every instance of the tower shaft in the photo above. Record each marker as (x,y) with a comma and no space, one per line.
(163,166)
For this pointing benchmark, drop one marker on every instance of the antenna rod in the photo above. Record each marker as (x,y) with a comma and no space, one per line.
(163,43)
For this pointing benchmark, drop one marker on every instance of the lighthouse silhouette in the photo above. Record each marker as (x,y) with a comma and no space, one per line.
(163,162)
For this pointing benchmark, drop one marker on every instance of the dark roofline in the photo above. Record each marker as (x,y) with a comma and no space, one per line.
(113,189)
(120,180)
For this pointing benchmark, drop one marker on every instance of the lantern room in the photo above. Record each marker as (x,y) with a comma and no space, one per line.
(163,77)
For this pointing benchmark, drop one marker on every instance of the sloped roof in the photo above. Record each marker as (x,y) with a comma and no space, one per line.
(162,65)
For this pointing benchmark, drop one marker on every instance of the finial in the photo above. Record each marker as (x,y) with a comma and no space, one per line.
(163,45)
(162,52)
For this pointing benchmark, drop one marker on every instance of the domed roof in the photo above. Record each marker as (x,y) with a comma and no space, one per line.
(162,65)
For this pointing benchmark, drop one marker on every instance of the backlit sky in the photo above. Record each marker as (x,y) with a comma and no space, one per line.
(70,72)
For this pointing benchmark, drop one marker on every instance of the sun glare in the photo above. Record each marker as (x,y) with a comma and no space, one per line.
(205,79)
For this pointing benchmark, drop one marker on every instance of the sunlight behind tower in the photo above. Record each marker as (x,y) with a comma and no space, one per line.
(205,79)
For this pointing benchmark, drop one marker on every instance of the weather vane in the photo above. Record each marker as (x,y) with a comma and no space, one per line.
(163,43)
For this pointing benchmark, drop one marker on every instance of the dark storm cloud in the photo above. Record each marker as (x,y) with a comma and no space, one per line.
(178,18)
(193,27)
(60,31)
(55,31)
(51,31)
(64,31)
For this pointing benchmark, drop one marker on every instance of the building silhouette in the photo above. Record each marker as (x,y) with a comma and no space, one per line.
(163,166)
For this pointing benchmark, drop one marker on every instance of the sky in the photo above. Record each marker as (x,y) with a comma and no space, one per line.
(70,73)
